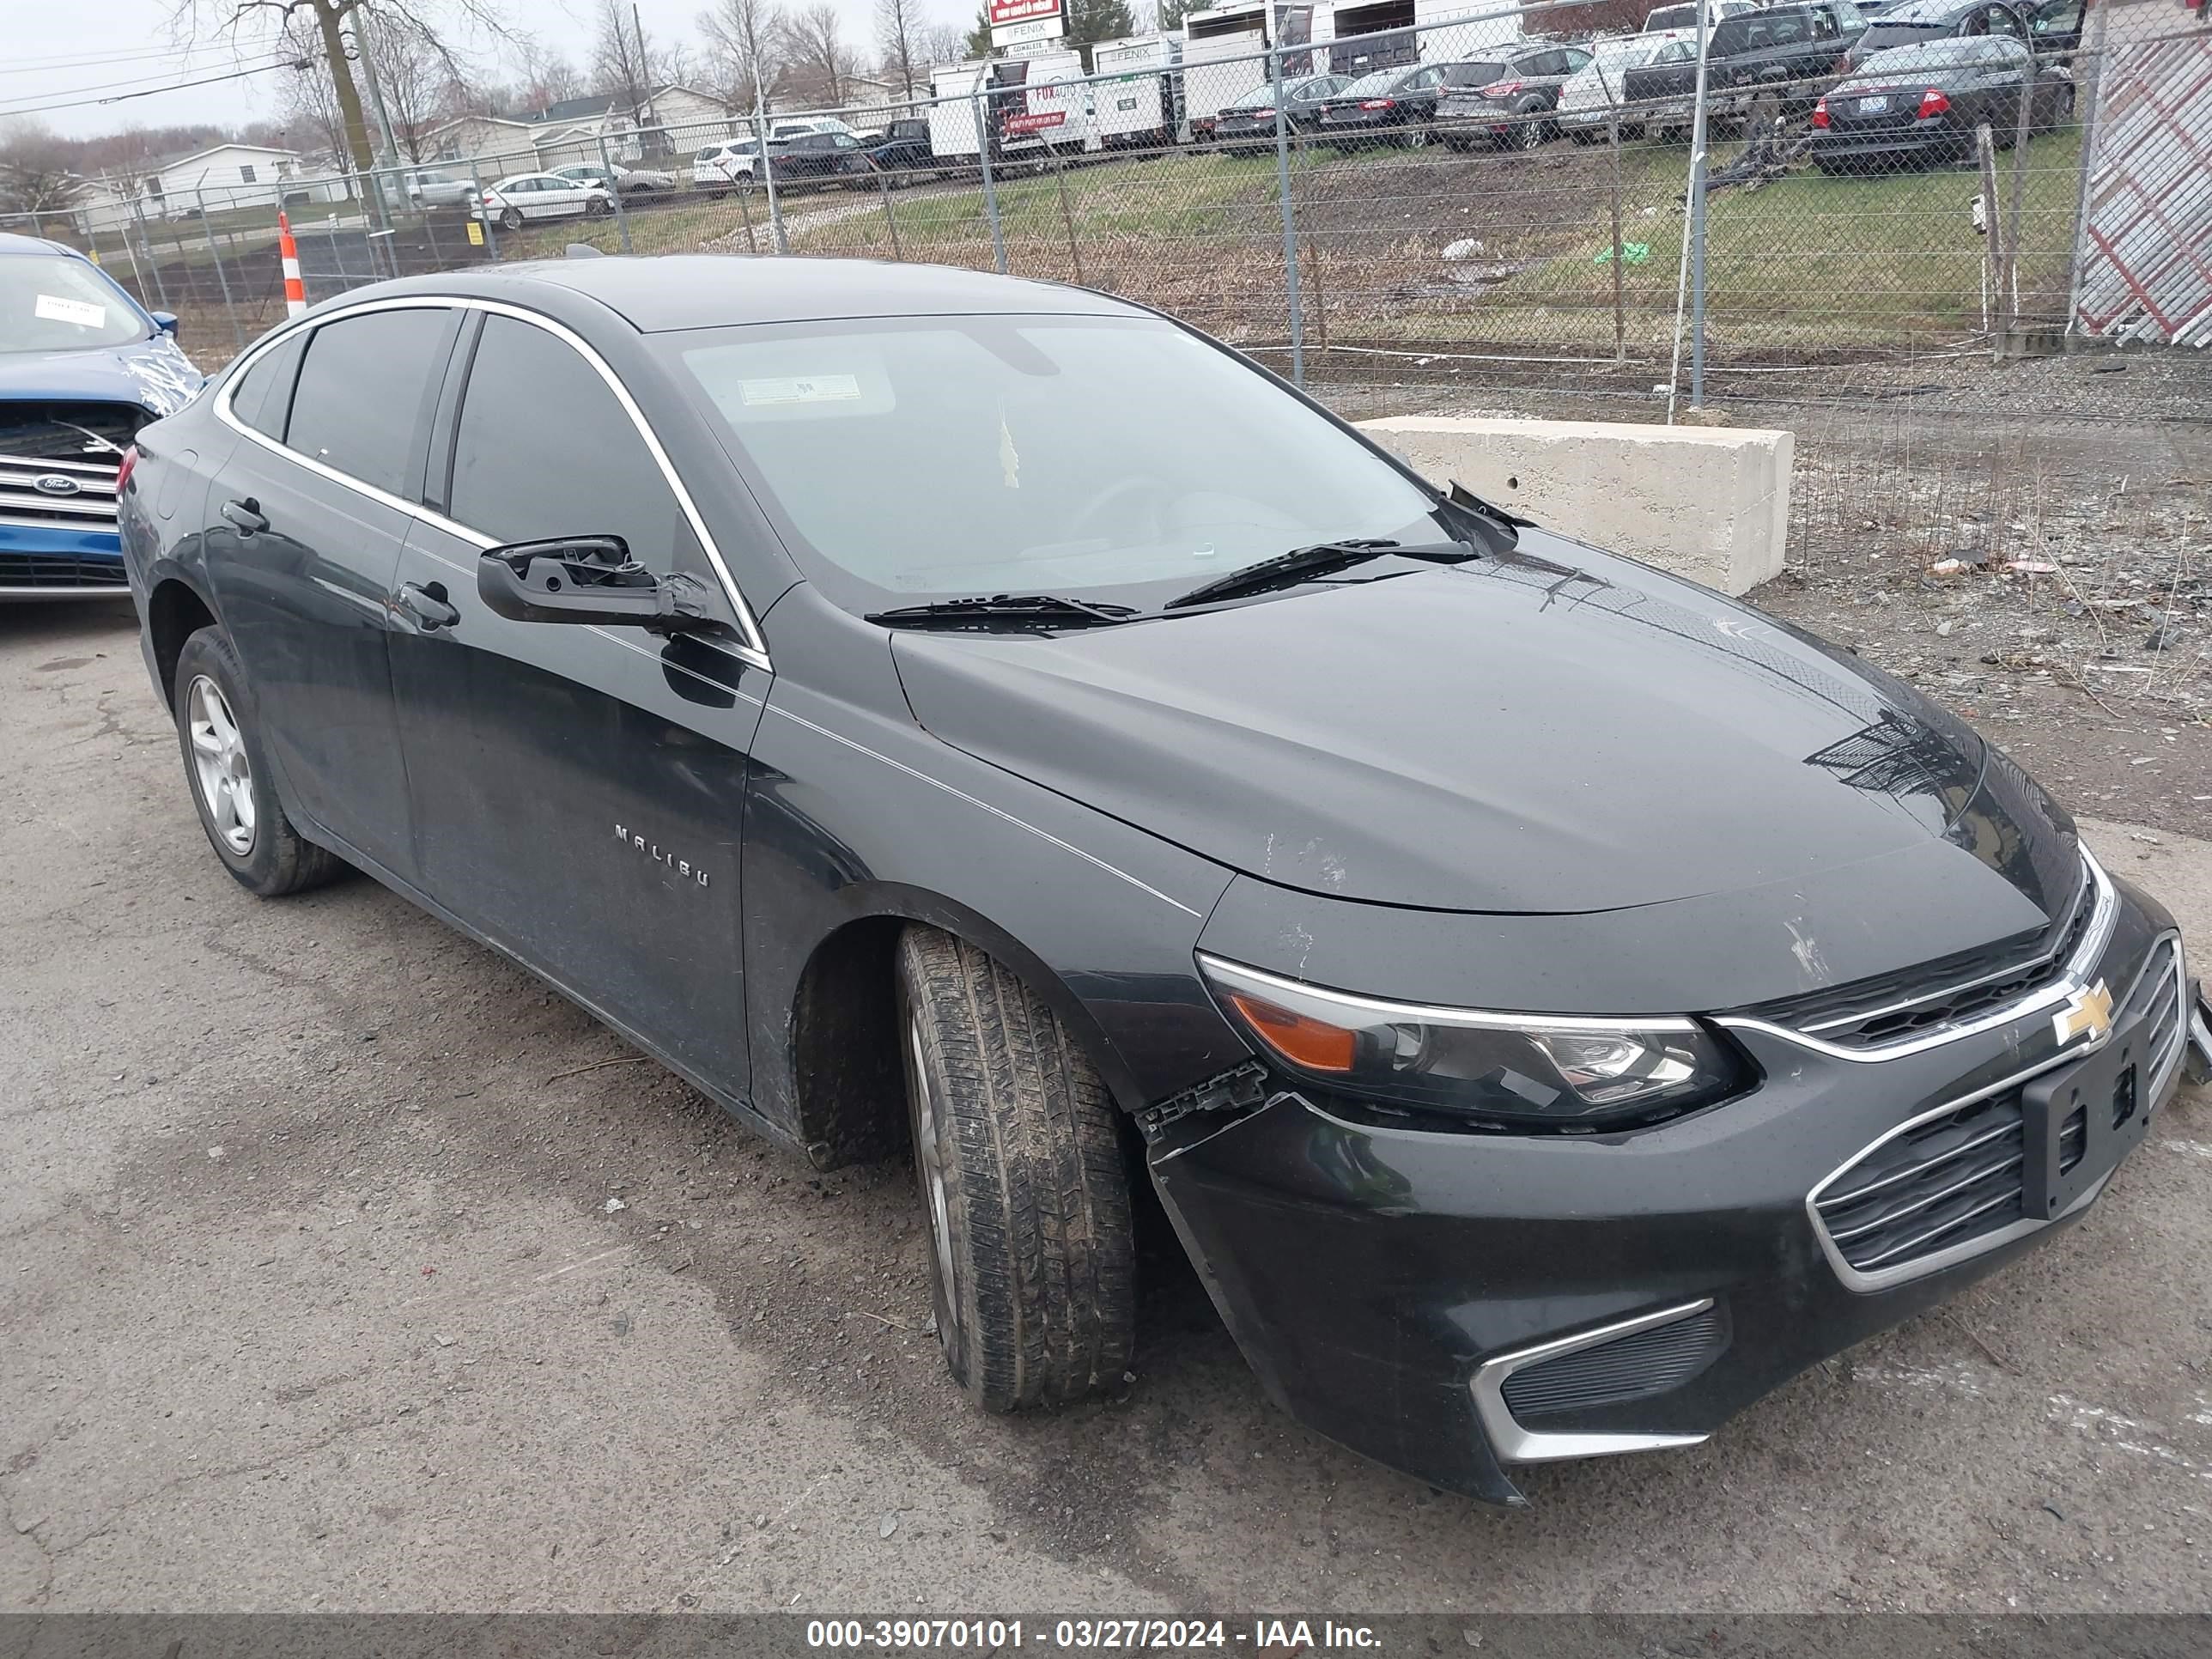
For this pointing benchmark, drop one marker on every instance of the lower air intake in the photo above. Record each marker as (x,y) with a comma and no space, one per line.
(1633,1367)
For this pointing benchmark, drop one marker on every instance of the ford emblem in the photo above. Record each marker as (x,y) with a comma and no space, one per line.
(55,483)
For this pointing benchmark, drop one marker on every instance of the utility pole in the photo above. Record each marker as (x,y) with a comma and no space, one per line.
(639,97)
(376,186)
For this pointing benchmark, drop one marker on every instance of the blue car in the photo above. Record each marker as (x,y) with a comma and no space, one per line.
(83,367)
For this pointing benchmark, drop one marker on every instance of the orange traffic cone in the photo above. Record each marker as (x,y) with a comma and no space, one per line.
(295,291)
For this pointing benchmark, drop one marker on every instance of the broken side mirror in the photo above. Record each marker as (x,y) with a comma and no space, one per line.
(592,580)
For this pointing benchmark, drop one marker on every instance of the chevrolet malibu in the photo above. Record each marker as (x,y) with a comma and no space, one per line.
(1554,1003)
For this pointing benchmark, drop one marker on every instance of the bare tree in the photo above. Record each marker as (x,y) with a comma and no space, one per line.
(743,40)
(36,174)
(898,33)
(622,65)
(413,72)
(816,61)
(941,43)
(328,20)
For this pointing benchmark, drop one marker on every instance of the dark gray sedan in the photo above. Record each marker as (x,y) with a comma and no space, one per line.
(1923,103)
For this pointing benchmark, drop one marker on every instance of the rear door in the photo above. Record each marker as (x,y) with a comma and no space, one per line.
(305,525)
(578,791)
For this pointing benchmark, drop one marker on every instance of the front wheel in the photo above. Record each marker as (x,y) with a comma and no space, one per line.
(228,773)
(1017,1155)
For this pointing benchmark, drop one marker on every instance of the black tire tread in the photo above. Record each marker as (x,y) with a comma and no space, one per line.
(1036,1184)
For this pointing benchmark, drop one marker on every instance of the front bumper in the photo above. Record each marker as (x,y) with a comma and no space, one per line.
(46,561)
(1389,1284)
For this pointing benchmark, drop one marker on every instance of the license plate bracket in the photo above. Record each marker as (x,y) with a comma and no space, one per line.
(2112,1090)
(1873,105)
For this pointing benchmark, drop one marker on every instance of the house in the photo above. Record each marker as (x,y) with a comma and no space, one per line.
(232,175)
(498,144)
(687,119)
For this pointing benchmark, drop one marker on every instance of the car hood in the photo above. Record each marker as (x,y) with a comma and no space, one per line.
(1550,732)
(154,374)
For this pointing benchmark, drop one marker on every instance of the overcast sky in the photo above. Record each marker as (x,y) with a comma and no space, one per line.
(61,51)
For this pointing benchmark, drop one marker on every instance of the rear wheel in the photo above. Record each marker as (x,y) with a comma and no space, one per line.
(1018,1157)
(228,773)
(511,219)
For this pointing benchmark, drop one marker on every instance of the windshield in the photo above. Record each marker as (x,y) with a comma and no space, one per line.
(1103,458)
(1935,55)
(55,303)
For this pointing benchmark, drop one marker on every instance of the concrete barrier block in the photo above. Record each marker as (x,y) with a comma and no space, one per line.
(1711,503)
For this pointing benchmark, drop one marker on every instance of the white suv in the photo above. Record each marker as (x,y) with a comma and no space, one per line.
(721,169)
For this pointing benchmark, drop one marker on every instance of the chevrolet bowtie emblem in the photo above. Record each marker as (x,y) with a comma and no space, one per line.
(2087,1011)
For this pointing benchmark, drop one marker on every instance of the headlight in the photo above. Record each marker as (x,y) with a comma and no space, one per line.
(1523,1071)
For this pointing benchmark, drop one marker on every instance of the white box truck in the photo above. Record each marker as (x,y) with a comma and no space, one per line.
(1143,102)
(955,126)
(1039,103)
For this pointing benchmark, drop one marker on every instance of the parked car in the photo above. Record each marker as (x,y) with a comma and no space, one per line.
(2050,28)
(1923,103)
(1394,105)
(527,195)
(1246,123)
(718,169)
(1790,53)
(1594,94)
(640,183)
(821,159)
(429,187)
(1546,1083)
(1250,117)
(1512,107)
(83,367)
(902,147)
(799,126)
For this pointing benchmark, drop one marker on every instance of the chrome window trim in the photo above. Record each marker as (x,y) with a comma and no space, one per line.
(1515,1444)
(1951,1256)
(753,650)
(1260,983)
(2078,974)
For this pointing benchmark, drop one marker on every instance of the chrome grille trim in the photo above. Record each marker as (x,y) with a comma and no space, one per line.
(2076,974)
(2164,972)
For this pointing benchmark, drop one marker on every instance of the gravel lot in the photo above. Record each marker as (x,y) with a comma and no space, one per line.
(342,1266)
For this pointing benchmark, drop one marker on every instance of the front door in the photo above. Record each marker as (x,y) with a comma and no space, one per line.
(579,791)
(305,526)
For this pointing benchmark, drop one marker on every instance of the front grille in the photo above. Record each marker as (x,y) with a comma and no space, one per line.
(1936,995)
(2159,996)
(1948,1181)
(58,570)
(46,492)
(1632,1367)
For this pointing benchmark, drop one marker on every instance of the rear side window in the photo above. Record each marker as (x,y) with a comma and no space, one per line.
(507,489)
(358,406)
(264,394)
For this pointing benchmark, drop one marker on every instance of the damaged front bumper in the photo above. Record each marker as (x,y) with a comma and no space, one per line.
(1455,1303)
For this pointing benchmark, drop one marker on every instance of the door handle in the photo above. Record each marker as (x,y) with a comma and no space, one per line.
(428,606)
(245,514)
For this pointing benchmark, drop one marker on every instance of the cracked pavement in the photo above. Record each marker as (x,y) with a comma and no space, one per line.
(311,1297)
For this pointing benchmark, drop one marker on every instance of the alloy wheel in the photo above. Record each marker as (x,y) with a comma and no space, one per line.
(220,766)
(929,1168)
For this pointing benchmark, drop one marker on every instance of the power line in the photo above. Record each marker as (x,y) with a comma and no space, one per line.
(262,60)
(154,92)
(97,60)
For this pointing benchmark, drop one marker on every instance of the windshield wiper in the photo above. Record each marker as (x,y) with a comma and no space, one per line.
(1304,564)
(1001,610)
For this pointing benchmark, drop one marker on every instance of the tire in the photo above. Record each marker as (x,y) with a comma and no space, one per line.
(265,855)
(1019,1158)
(596,209)
(511,219)
(1414,137)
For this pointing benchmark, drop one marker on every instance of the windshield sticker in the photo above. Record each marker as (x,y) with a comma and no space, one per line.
(801,389)
(55,309)
(1010,460)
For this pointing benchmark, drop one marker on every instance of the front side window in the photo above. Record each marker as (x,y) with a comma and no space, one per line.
(55,303)
(608,484)
(1101,456)
(358,405)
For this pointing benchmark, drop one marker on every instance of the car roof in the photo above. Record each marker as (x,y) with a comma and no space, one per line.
(11,242)
(662,292)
